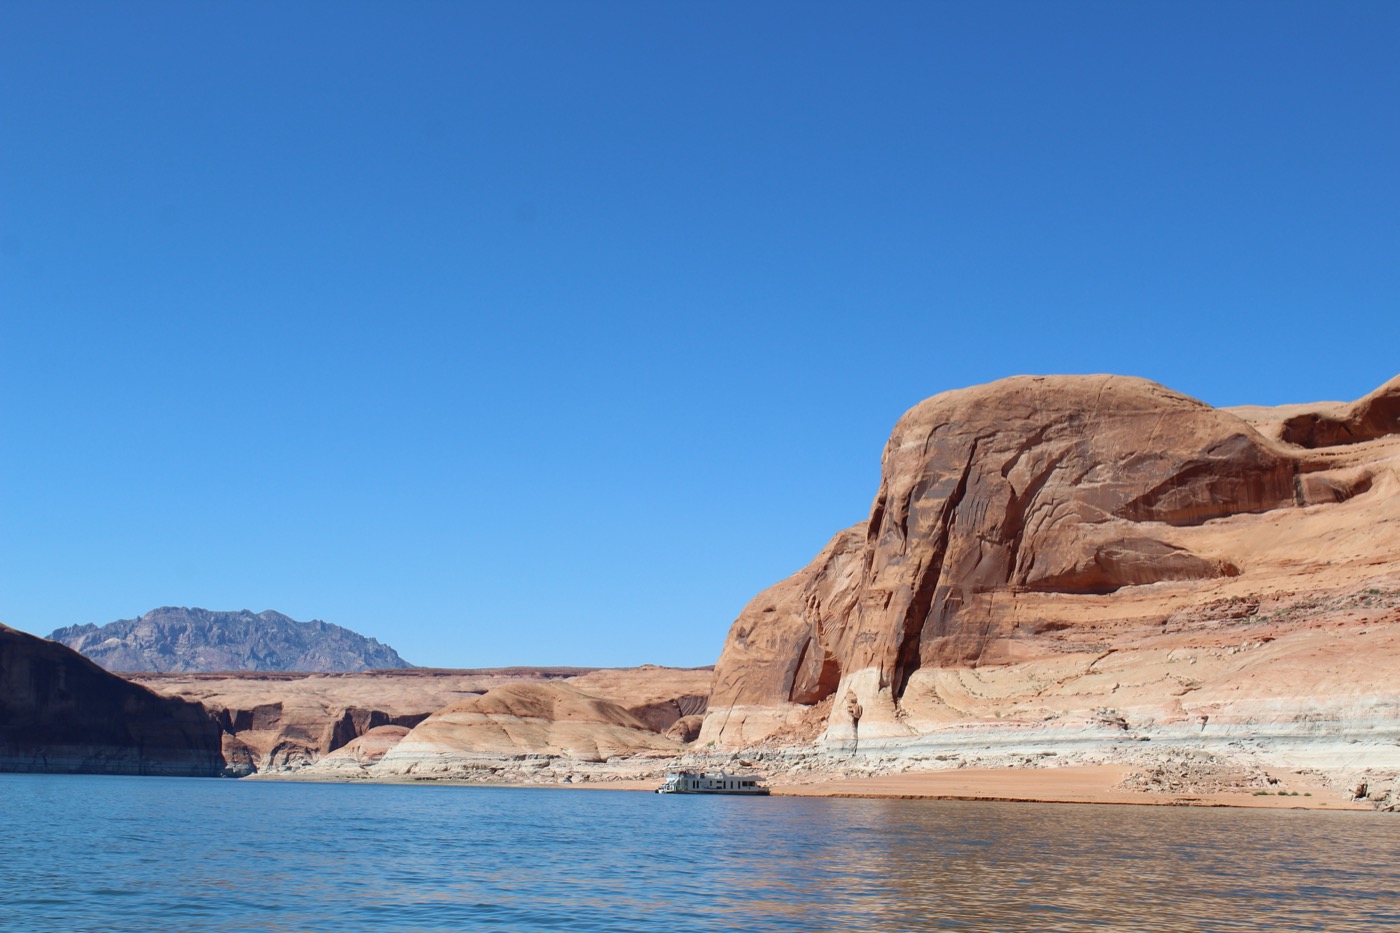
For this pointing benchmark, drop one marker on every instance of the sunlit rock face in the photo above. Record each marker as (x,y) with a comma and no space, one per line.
(284,722)
(61,713)
(546,720)
(1039,519)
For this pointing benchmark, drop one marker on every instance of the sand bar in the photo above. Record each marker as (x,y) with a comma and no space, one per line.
(1086,784)
(1097,784)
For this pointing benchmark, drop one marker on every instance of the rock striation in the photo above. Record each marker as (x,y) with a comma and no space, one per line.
(282,722)
(176,639)
(661,698)
(61,713)
(1041,549)
(519,722)
(363,751)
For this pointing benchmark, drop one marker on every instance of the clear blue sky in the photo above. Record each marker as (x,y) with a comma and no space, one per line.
(551,333)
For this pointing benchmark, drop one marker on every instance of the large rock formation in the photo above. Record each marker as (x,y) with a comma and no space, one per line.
(280,722)
(523,721)
(283,721)
(1043,548)
(61,713)
(176,639)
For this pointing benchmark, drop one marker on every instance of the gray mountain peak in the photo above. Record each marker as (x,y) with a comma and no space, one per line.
(177,639)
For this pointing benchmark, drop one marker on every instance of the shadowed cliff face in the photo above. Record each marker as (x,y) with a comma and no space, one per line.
(61,713)
(1372,417)
(1069,488)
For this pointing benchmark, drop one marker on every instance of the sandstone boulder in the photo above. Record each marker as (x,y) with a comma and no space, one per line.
(686,729)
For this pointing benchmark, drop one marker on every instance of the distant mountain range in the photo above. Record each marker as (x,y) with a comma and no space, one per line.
(176,639)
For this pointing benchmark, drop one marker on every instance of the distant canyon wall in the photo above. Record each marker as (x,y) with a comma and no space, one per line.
(281,722)
(62,713)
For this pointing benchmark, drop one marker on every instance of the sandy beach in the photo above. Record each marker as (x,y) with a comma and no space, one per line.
(1088,784)
(1095,784)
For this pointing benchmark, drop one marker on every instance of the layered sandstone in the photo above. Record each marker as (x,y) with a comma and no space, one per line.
(538,721)
(1089,560)
(279,721)
(284,722)
(662,698)
(61,713)
(363,751)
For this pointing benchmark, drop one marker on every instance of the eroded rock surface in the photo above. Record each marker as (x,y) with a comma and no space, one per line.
(283,722)
(534,720)
(658,696)
(1044,547)
(365,750)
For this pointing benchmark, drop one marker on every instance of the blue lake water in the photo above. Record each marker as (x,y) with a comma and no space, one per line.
(80,853)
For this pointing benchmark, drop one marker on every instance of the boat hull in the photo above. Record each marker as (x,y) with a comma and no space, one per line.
(712,782)
(760,792)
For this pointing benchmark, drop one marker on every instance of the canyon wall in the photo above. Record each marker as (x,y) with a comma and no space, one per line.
(1077,561)
(282,722)
(61,713)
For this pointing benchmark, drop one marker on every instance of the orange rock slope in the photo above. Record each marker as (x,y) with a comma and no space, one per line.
(538,721)
(1069,564)
(279,722)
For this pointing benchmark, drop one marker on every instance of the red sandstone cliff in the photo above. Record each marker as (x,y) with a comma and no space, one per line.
(1082,553)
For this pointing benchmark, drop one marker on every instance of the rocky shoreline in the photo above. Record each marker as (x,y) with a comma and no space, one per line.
(1176,777)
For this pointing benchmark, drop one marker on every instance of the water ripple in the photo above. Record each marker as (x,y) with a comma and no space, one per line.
(150,855)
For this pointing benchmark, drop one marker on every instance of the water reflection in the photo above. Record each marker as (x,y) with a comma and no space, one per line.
(170,855)
(1046,867)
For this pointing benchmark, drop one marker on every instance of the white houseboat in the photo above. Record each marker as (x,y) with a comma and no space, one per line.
(710,782)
